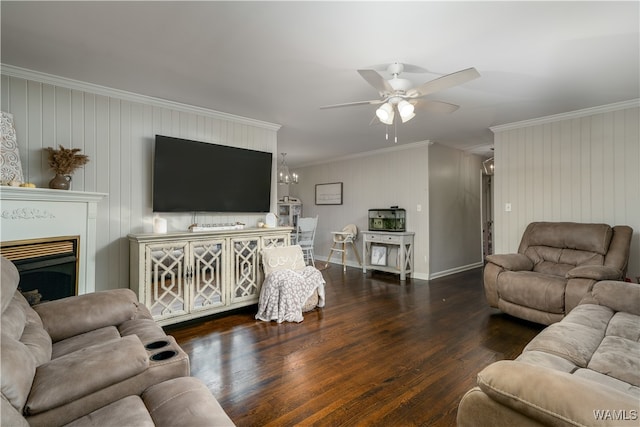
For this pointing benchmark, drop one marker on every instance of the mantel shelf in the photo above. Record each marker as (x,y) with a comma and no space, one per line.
(48,195)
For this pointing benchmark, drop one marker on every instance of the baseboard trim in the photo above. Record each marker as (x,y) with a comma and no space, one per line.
(455,270)
(415,275)
(354,264)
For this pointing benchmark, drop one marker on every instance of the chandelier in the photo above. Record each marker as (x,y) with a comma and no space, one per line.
(284,176)
(488,166)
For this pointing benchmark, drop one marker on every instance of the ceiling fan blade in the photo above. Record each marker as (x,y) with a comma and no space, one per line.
(444,82)
(350,104)
(435,106)
(376,80)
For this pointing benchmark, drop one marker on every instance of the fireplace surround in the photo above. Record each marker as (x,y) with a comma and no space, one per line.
(45,215)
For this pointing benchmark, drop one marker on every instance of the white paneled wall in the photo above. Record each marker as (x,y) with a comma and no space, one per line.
(581,167)
(117,130)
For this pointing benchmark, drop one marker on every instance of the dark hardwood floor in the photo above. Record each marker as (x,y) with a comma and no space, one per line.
(378,354)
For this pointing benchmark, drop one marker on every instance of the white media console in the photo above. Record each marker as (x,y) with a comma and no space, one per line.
(185,275)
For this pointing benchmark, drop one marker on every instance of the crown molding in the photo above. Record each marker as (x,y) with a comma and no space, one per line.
(37,76)
(623,105)
(399,147)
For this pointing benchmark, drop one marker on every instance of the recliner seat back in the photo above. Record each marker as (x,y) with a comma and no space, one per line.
(25,344)
(557,247)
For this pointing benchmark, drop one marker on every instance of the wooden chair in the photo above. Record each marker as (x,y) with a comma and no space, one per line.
(305,234)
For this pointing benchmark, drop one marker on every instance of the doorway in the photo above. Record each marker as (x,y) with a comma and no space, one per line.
(487,215)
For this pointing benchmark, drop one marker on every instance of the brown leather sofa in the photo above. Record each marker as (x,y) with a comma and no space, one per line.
(557,264)
(94,359)
(581,371)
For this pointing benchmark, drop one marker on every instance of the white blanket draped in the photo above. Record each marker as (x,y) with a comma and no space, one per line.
(284,292)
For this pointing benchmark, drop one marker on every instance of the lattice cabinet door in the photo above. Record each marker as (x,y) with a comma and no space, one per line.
(166,272)
(275,241)
(245,277)
(207,279)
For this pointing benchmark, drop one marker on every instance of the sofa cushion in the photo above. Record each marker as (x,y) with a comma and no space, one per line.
(552,397)
(571,341)
(615,357)
(38,342)
(9,278)
(146,329)
(85,371)
(620,296)
(167,401)
(594,272)
(18,369)
(19,321)
(129,411)
(545,266)
(10,416)
(513,262)
(608,381)
(78,342)
(596,317)
(582,237)
(529,289)
(548,360)
(90,311)
(14,318)
(624,325)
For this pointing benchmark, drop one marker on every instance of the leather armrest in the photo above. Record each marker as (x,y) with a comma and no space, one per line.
(76,315)
(512,262)
(617,295)
(552,397)
(594,272)
(85,371)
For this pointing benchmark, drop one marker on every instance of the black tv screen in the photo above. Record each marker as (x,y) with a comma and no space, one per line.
(192,176)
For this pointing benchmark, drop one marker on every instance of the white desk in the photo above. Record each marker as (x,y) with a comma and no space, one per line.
(390,251)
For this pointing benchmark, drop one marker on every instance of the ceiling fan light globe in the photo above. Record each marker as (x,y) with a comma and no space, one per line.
(405,109)
(389,120)
(408,117)
(385,113)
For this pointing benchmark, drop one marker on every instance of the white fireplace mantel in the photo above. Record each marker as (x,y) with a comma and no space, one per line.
(39,213)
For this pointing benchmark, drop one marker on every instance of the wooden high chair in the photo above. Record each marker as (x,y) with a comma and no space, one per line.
(340,241)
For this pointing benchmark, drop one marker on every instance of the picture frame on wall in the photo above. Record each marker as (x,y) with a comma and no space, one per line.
(378,255)
(329,194)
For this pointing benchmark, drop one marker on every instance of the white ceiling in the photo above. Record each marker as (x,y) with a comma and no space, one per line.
(280,61)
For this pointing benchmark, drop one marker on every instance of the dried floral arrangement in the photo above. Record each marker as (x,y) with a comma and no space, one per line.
(66,160)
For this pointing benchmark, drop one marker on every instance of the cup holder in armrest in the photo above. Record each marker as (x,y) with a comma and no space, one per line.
(156,345)
(164,355)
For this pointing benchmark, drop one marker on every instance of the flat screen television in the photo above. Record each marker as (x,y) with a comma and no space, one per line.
(193,176)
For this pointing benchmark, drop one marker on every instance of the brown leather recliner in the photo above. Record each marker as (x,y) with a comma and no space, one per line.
(556,265)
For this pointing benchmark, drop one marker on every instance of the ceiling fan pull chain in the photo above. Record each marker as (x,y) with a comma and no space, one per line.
(395,131)
(386,133)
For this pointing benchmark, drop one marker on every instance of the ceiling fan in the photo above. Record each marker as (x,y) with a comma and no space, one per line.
(396,94)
